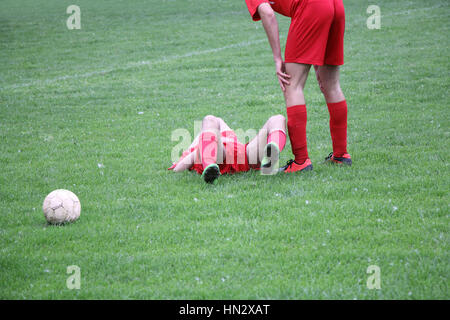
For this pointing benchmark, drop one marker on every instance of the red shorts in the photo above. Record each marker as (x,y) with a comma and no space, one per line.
(316,33)
(235,160)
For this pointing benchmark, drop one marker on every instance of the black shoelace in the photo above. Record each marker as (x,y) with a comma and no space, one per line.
(289,163)
(329,156)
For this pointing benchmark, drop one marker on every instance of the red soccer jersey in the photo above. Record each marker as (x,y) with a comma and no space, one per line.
(281,6)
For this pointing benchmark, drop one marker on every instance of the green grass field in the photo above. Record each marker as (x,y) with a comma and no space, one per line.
(93,110)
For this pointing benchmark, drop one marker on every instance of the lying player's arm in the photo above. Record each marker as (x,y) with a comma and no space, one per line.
(270,24)
(185,163)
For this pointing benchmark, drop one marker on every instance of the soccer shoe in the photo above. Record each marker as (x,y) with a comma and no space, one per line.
(270,162)
(345,159)
(292,166)
(211,173)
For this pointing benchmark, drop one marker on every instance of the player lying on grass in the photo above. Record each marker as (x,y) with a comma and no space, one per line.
(216,150)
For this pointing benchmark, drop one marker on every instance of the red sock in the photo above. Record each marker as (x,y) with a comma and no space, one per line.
(279,137)
(338,127)
(208,148)
(297,132)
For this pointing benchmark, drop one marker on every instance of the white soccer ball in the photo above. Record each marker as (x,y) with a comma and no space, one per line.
(61,206)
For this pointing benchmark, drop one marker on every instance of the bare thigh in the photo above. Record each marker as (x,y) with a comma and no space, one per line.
(223,125)
(216,124)
(221,152)
(328,77)
(255,148)
(294,91)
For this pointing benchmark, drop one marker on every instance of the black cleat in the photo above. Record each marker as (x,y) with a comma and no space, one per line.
(292,166)
(344,160)
(271,160)
(211,173)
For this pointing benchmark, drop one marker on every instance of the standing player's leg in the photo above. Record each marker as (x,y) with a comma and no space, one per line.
(329,82)
(328,78)
(296,113)
(293,94)
(305,46)
(265,148)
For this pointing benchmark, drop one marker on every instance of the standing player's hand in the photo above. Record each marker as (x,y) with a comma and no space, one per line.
(283,77)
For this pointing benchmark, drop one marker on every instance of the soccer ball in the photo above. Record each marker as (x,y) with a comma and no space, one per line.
(61,206)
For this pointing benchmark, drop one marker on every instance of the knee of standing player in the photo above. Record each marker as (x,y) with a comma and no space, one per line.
(330,87)
(332,91)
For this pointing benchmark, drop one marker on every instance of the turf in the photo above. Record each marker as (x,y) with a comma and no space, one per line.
(93,111)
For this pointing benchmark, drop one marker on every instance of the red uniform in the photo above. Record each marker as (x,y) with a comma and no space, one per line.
(316,33)
(235,160)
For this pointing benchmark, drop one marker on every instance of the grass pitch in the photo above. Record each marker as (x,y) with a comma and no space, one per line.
(92,111)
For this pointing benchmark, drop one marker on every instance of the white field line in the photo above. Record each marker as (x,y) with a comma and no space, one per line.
(137,64)
(132,65)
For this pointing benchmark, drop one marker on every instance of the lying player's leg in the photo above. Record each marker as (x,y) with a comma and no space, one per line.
(210,121)
(209,146)
(203,151)
(185,162)
(223,126)
(265,148)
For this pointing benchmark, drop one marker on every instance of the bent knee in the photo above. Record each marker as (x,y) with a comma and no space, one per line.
(277,118)
(210,118)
